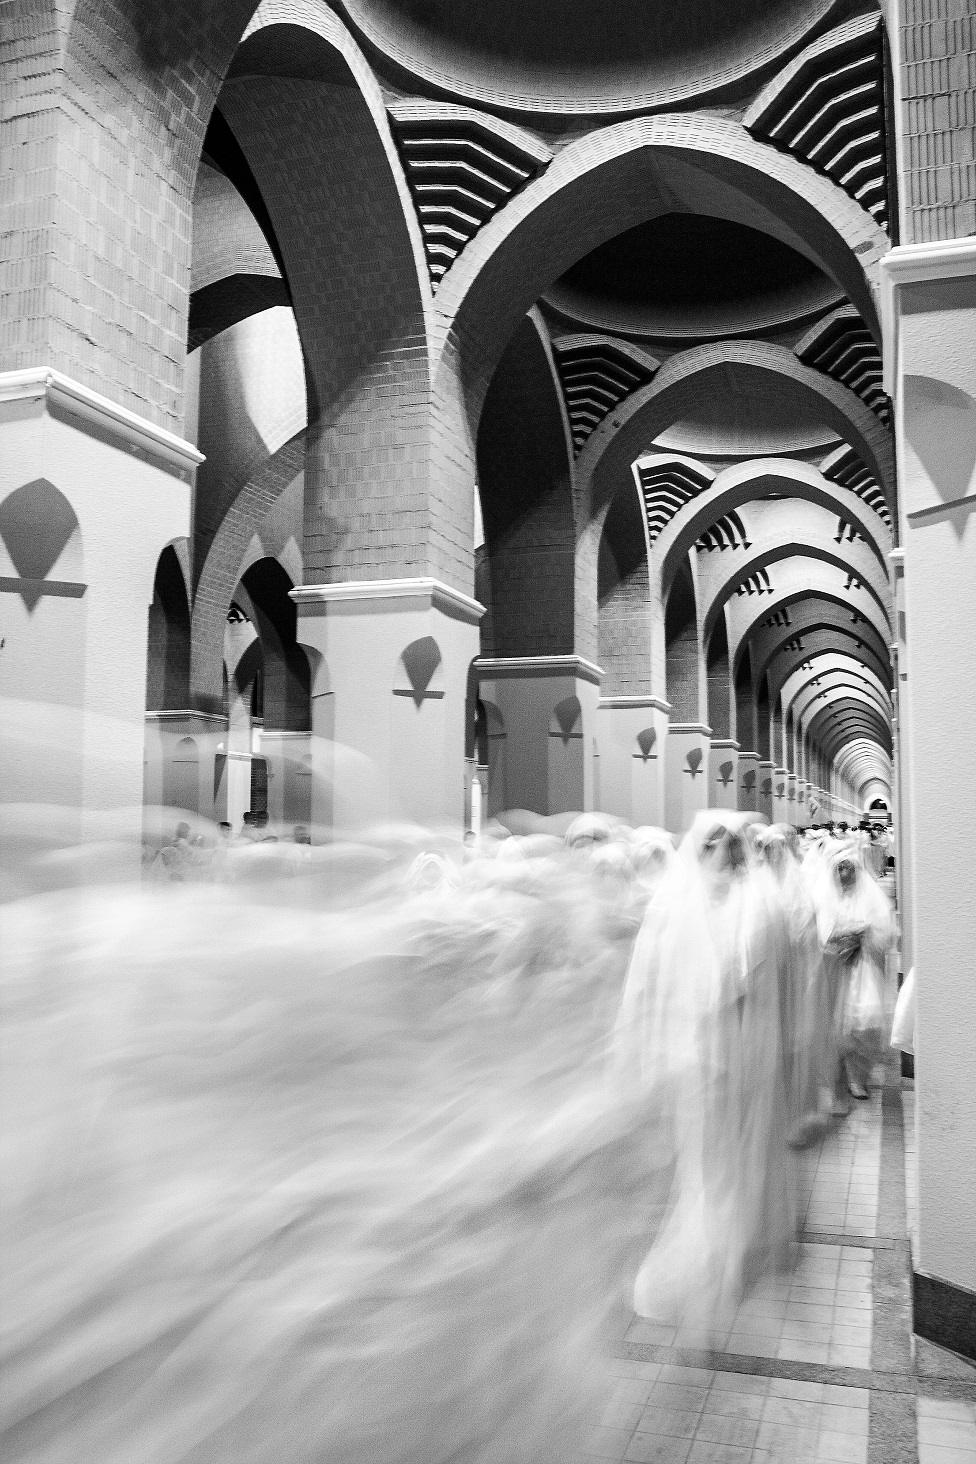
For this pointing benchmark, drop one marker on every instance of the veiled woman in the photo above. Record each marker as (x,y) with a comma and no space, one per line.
(699,1027)
(855,927)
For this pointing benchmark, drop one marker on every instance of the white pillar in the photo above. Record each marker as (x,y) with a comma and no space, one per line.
(723,773)
(389,699)
(929,318)
(550,759)
(687,788)
(90,495)
(632,734)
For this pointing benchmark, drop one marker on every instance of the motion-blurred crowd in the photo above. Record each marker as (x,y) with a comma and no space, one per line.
(355,1149)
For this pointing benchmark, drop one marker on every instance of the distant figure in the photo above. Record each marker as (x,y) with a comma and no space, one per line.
(855,927)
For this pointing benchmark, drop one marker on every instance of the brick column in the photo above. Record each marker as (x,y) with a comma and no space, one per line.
(632,734)
(765,781)
(544,707)
(390,661)
(90,495)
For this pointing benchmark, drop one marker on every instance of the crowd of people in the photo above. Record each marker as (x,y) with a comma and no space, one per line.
(321,1152)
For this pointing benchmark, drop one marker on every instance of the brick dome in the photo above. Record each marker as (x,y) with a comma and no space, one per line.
(591,56)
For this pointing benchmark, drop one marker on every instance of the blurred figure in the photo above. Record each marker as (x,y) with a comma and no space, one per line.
(287,1183)
(809,1053)
(652,853)
(699,1029)
(855,928)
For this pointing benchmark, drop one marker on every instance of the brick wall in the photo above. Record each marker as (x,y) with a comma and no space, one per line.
(938,80)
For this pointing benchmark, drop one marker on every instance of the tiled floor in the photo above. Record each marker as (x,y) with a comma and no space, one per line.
(671,1414)
(791,1380)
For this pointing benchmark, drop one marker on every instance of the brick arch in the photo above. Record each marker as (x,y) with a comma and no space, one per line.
(844,719)
(718,668)
(324,158)
(814,580)
(623,646)
(788,686)
(836,683)
(222,566)
(823,622)
(614,445)
(862,669)
(770,549)
(525,481)
(611,180)
(168,650)
(286,669)
(869,764)
(252,402)
(682,641)
(746,482)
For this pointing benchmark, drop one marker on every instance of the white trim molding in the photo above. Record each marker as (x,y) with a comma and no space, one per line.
(63,395)
(917,264)
(633,703)
(702,728)
(528,666)
(421,593)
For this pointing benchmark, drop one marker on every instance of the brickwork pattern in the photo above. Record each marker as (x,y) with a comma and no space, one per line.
(526,485)
(223,553)
(660,58)
(828,108)
(938,82)
(168,656)
(623,591)
(596,373)
(102,122)
(462,167)
(841,346)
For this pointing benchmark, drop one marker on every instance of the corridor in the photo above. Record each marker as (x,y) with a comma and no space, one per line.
(819,1367)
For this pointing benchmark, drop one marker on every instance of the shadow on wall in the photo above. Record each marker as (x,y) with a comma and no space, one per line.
(941,427)
(38,530)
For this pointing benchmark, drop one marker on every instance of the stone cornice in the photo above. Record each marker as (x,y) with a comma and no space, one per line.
(529,666)
(63,396)
(699,727)
(633,703)
(421,593)
(187,714)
